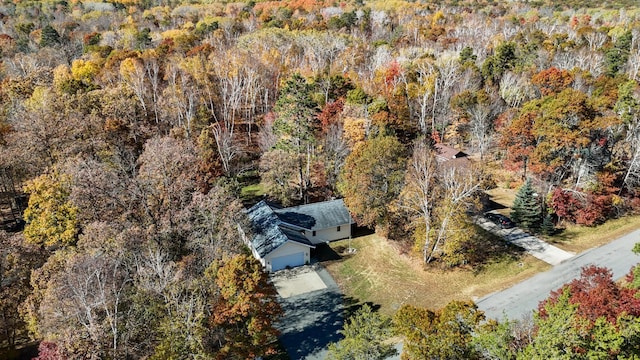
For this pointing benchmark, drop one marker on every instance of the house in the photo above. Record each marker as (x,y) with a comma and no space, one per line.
(284,237)
(449,156)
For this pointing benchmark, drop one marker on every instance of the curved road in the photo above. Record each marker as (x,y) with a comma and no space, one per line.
(520,300)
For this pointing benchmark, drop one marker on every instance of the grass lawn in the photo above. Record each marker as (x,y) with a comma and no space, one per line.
(378,273)
(577,238)
(251,192)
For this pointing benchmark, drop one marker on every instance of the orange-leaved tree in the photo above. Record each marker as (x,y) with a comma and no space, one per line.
(244,310)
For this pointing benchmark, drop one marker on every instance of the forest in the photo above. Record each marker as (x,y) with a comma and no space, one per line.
(133,134)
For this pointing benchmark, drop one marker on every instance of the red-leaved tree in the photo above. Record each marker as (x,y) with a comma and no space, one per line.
(597,295)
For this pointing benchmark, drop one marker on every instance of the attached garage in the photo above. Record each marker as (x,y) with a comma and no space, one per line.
(290,254)
(281,262)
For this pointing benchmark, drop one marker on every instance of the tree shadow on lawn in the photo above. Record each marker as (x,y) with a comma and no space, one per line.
(487,248)
(560,236)
(488,205)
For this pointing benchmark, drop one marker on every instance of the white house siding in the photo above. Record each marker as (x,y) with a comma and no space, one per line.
(330,234)
(287,248)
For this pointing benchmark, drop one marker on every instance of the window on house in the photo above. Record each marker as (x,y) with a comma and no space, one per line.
(338,228)
(313,233)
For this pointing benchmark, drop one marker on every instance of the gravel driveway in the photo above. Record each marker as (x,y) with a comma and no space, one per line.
(312,304)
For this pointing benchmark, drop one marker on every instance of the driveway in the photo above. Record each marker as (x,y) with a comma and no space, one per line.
(533,245)
(312,304)
(521,299)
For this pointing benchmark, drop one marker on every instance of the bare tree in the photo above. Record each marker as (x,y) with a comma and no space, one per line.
(85,302)
(180,98)
(420,194)
(439,194)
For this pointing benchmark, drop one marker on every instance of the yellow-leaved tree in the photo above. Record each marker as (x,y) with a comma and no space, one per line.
(51,218)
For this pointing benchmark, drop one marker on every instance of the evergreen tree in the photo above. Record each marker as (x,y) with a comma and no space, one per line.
(526,210)
(365,335)
(616,57)
(547,227)
(49,36)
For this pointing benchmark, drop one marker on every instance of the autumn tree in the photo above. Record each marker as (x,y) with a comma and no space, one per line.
(51,218)
(562,332)
(552,81)
(164,185)
(443,334)
(83,307)
(372,178)
(590,317)
(478,110)
(211,223)
(17,258)
(559,136)
(244,310)
(438,196)
(596,296)
(519,142)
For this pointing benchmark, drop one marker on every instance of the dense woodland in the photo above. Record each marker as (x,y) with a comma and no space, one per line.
(136,127)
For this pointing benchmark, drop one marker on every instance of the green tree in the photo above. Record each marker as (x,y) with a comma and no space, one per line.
(616,57)
(526,209)
(499,340)
(51,218)
(547,227)
(294,129)
(467,55)
(244,310)
(364,337)
(49,36)
(372,178)
(443,334)
(558,336)
(503,59)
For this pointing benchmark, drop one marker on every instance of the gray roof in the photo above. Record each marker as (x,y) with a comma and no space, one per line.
(269,233)
(316,216)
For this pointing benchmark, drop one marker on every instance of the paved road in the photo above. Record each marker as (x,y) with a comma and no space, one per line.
(521,299)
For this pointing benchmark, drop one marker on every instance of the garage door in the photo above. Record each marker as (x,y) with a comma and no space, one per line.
(281,262)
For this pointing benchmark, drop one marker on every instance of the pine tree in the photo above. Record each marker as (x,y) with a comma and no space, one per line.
(547,227)
(49,36)
(526,210)
(365,335)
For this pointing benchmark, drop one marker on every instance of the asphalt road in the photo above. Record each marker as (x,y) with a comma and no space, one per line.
(520,300)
